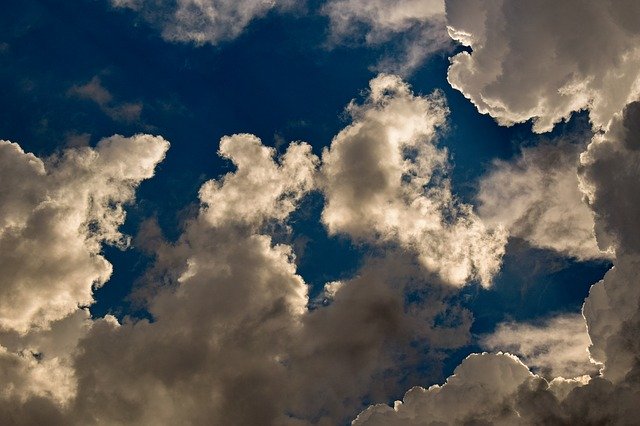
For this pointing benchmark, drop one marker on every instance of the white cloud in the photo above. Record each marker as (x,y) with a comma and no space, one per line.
(385,181)
(558,347)
(543,60)
(420,22)
(54,216)
(202,21)
(537,198)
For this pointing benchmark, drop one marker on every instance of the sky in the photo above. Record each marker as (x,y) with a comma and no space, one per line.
(290,212)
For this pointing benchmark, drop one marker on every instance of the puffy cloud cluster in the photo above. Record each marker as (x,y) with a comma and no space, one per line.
(202,21)
(384,179)
(420,22)
(54,216)
(233,338)
(537,198)
(610,179)
(543,60)
(530,61)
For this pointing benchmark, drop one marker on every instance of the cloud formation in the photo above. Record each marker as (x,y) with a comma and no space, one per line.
(233,338)
(537,198)
(558,347)
(202,21)
(54,216)
(384,179)
(527,62)
(544,60)
(420,23)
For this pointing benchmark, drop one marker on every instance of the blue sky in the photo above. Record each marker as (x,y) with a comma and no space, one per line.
(74,74)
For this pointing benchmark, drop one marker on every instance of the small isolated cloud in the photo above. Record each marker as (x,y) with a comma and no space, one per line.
(384,179)
(420,24)
(537,198)
(545,59)
(558,347)
(202,21)
(55,214)
(96,92)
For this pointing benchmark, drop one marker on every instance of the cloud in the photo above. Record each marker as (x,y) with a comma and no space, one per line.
(202,21)
(54,216)
(385,181)
(609,177)
(420,23)
(537,198)
(544,60)
(480,391)
(232,337)
(96,92)
(558,347)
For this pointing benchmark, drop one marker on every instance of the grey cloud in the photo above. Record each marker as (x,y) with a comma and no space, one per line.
(537,198)
(544,60)
(96,92)
(384,178)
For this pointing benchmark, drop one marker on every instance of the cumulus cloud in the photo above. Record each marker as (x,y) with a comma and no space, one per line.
(610,179)
(202,21)
(384,179)
(54,216)
(543,60)
(537,198)
(233,338)
(557,347)
(480,391)
(420,23)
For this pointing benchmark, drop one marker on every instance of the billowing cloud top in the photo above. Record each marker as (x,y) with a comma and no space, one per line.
(385,180)
(544,60)
(54,216)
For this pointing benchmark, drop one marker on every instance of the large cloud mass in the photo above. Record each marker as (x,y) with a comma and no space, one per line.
(543,62)
(385,180)
(545,59)
(54,216)
(232,337)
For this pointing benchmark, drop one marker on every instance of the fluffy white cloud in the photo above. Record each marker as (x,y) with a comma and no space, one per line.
(420,22)
(537,198)
(202,21)
(543,60)
(54,216)
(384,179)
(556,347)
